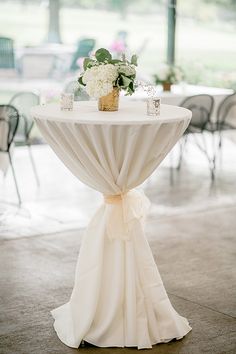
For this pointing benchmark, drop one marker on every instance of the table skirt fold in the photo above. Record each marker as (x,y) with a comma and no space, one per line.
(118,297)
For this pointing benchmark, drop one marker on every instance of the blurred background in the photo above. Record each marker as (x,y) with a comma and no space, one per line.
(46,35)
(44,208)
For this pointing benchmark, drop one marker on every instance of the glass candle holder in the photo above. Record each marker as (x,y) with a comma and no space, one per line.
(67,100)
(153,106)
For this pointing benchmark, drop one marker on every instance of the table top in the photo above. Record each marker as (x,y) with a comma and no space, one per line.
(129,113)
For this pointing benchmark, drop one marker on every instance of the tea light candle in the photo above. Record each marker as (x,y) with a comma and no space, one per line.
(153,106)
(67,100)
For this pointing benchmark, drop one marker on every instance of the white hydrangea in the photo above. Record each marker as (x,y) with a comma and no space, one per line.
(89,74)
(98,88)
(99,80)
(109,72)
(127,70)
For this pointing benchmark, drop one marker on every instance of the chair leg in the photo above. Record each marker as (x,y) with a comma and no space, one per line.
(212,175)
(210,156)
(220,140)
(181,150)
(212,166)
(14,177)
(214,151)
(33,165)
(220,148)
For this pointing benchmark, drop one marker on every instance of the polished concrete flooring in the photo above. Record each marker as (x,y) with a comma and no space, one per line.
(191,229)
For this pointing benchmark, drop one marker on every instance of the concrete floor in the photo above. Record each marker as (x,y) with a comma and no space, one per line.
(191,230)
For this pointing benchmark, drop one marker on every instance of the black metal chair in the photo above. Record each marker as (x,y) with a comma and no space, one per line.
(9,119)
(201,107)
(23,101)
(226,116)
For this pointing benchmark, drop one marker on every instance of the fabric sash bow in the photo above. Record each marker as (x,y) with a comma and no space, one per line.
(121,211)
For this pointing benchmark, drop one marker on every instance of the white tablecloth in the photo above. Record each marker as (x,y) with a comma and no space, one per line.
(118,297)
(4,162)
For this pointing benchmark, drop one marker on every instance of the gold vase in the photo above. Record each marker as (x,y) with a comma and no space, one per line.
(109,102)
(166,86)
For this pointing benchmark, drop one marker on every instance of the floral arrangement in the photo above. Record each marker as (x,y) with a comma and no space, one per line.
(103,73)
(168,74)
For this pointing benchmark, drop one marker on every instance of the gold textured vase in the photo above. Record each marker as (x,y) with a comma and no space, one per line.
(109,102)
(166,86)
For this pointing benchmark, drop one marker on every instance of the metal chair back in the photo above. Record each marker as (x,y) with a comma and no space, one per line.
(201,107)
(23,101)
(226,113)
(7,58)
(85,46)
(9,119)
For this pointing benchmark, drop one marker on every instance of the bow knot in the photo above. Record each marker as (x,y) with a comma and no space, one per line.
(122,210)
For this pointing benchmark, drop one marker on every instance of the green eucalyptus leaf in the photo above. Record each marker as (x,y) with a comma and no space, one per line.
(103,54)
(134,60)
(86,62)
(115,61)
(126,81)
(129,92)
(131,86)
(80,81)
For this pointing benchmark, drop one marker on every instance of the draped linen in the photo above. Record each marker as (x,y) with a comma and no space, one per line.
(118,297)
(4,162)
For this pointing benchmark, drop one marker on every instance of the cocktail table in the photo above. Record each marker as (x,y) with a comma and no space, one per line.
(118,297)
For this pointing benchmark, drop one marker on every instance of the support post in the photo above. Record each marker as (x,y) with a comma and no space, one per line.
(54,35)
(171,31)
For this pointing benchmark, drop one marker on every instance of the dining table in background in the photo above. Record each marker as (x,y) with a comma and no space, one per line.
(183,90)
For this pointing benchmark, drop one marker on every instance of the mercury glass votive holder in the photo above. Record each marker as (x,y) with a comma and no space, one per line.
(67,100)
(153,106)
